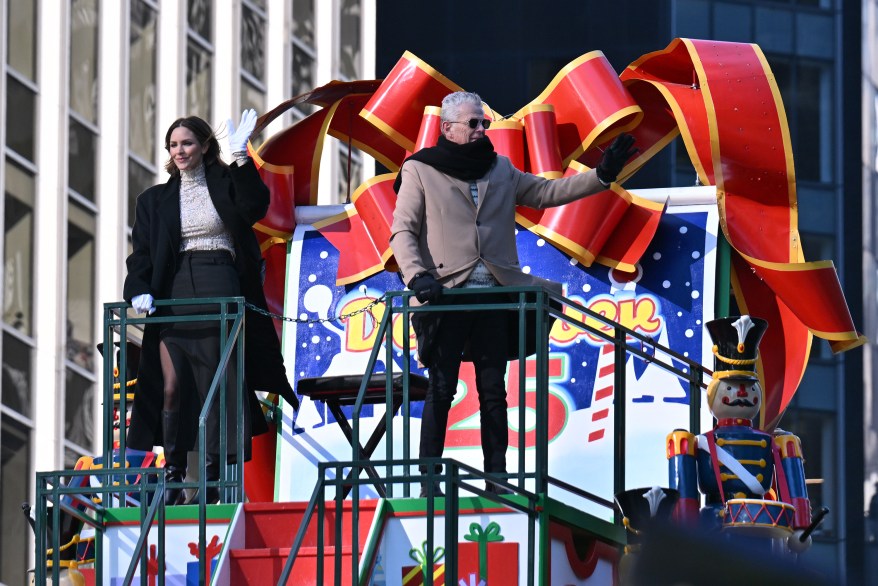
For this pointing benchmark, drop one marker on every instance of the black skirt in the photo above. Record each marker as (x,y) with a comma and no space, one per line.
(195,349)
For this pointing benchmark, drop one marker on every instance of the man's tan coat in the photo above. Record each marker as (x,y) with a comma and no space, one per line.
(437,227)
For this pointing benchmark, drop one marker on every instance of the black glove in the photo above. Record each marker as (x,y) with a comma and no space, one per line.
(426,287)
(615,157)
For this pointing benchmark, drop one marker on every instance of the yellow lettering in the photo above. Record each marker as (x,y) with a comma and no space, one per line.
(564,333)
(639,315)
(398,333)
(608,309)
(362,328)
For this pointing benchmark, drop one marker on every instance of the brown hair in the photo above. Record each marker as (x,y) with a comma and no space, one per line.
(203,133)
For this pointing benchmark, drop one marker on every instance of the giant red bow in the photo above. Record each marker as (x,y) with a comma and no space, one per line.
(721,97)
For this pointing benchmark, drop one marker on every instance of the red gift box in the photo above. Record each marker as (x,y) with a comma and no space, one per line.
(486,556)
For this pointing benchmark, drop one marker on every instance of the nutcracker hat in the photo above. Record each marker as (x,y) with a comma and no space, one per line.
(736,346)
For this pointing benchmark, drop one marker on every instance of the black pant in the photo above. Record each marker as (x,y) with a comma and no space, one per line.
(484,334)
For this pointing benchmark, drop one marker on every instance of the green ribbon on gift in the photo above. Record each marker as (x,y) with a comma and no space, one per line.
(482,537)
(420,556)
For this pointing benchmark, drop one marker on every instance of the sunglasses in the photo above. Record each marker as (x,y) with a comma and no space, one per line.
(474,123)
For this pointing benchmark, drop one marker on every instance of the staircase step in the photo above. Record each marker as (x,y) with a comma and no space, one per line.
(264,566)
(274,525)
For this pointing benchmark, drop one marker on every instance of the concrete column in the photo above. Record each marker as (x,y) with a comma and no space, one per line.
(51,236)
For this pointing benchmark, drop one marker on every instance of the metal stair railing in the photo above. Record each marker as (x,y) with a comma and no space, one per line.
(522,300)
(230,316)
(88,504)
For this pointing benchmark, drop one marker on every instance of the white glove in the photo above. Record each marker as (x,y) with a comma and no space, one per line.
(795,543)
(143,304)
(238,138)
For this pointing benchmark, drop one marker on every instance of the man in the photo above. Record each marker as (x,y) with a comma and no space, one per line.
(454,226)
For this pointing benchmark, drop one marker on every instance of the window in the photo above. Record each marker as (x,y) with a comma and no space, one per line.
(21,104)
(142,81)
(84,59)
(350,51)
(18,244)
(806,90)
(142,91)
(139,178)
(80,287)
(15,475)
(199,54)
(252,57)
(81,156)
(17,375)
(350,172)
(21,38)
(304,53)
(79,397)
(198,80)
(816,430)
(199,16)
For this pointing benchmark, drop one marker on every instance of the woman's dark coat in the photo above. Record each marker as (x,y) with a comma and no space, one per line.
(241,199)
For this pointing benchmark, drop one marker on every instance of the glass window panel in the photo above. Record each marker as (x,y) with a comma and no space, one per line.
(816,430)
(15,476)
(349,52)
(20,118)
(774,29)
(252,43)
(139,178)
(815,35)
(21,38)
(72,456)
(303,21)
(142,81)
(198,80)
(813,112)
(18,245)
(783,77)
(84,58)
(198,15)
(346,188)
(82,160)
(80,286)
(693,19)
(252,97)
(303,76)
(731,22)
(17,375)
(79,425)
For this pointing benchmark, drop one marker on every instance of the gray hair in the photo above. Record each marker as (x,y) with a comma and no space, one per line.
(452,103)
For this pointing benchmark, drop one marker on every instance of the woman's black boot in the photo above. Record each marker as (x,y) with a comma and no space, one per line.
(175,461)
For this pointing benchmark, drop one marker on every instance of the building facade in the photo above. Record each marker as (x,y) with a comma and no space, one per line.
(88,89)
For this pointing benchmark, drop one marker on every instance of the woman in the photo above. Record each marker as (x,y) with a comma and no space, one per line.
(192,238)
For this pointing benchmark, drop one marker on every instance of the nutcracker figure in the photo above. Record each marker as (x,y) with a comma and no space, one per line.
(753,482)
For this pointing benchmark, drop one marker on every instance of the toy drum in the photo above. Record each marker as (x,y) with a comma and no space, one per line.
(759,518)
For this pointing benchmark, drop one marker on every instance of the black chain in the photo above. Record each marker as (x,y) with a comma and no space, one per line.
(368,308)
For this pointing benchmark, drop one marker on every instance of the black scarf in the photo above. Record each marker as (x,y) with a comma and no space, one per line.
(466,162)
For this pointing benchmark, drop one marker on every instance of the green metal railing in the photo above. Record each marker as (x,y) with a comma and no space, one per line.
(61,490)
(543,305)
(530,485)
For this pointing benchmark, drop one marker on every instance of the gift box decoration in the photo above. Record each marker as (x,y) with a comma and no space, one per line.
(488,556)
(417,575)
